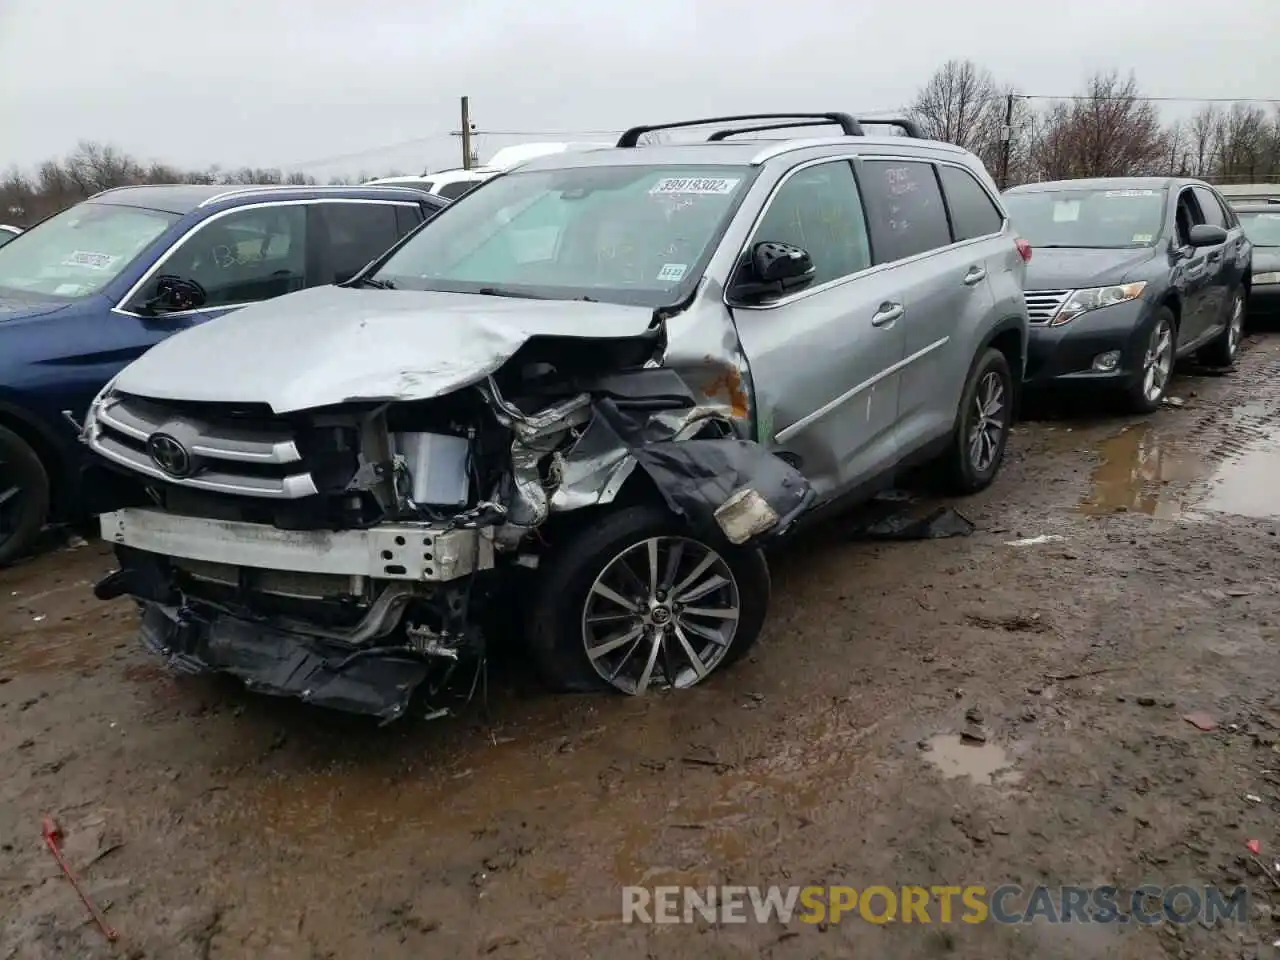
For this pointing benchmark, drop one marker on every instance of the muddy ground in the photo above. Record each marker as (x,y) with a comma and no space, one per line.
(215,824)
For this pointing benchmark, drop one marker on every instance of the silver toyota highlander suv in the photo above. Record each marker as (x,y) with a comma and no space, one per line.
(588,392)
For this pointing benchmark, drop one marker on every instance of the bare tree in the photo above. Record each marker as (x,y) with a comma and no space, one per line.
(1109,131)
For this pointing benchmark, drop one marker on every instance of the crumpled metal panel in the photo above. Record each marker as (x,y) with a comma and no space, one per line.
(331,345)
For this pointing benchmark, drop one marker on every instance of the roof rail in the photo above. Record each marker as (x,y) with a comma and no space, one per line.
(908,127)
(850,126)
(737,131)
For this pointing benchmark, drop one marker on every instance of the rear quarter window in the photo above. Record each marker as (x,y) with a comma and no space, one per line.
(907,214)
(973,213)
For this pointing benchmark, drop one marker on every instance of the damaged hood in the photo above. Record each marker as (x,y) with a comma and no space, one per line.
(332,345)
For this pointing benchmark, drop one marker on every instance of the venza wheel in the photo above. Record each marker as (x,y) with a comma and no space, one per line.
(24,496)
(637,602)
(982,426)
(1156,370)
(1222,351)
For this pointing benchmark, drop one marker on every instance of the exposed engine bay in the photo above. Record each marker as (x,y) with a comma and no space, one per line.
(353,555)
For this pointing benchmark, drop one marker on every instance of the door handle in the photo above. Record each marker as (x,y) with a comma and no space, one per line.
(887,313)
(975,275)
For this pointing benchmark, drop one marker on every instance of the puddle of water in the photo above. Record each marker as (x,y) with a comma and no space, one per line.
(1246,485)
(1140,474)
(985,763)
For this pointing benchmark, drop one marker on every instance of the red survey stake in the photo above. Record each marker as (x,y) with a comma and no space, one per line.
(52,836)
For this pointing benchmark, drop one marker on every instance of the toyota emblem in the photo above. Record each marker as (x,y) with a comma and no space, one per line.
(169,455)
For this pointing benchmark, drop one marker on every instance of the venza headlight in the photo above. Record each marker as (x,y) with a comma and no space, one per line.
(1094,298)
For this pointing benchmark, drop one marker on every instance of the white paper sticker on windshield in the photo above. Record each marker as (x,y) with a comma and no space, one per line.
(1066,211)
(695,185)
(1142,238)
(94,261)
(1130,193)
(672,272)
(67,290)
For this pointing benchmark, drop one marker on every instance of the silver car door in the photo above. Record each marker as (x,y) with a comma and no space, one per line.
(824,358)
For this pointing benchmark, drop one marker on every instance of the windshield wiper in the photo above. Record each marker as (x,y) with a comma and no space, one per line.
(376,284)
(504,292)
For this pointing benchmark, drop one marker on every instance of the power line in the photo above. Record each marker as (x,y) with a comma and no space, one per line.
(340,158)
(1086,97)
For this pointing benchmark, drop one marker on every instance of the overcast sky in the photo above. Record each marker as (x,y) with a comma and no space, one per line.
(328,85)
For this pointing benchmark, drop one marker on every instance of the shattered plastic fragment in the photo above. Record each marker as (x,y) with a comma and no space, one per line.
(1035,541)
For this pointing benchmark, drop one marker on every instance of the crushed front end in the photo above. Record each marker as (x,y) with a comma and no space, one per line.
(355,554)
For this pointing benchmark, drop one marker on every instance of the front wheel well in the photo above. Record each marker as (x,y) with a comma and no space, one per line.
(1174,304)
(49,457)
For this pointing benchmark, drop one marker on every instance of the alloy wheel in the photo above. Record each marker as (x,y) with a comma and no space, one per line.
(1157,364)
(1235,332)
(988,425)
(664,607)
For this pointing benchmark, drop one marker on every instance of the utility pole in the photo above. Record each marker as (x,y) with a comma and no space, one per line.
(466,133)
(1007,136)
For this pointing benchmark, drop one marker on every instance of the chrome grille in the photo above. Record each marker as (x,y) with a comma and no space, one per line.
(1043,304)
(249,459)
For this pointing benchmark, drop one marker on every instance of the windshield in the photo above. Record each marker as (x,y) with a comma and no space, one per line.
(627,234)
(6,236)
(79,251)
(1262,227)
(1102,219)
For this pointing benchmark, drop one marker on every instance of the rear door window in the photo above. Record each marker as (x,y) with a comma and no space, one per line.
(973,213)
(351,235)
(905,203)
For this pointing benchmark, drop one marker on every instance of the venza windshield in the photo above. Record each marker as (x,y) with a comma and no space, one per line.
(626,234)
(1263,228)
(1103,219)
(79,251)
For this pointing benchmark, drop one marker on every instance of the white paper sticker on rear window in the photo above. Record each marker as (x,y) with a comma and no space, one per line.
(94,261)
(672,272)
(695,185)
(1130,193)
(1066,211)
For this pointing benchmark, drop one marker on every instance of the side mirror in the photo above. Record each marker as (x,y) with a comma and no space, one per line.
(174,294)
(772,269)
(1207,235)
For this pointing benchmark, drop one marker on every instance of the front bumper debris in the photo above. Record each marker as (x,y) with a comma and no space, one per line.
(375,681)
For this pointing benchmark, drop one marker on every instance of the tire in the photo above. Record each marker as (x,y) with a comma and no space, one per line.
(557,628)
(24,497)
(1139,397)
(1222,351)
(964,471)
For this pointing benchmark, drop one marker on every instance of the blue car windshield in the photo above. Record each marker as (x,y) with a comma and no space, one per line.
(1099,219)
(634,234)
(77,252)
